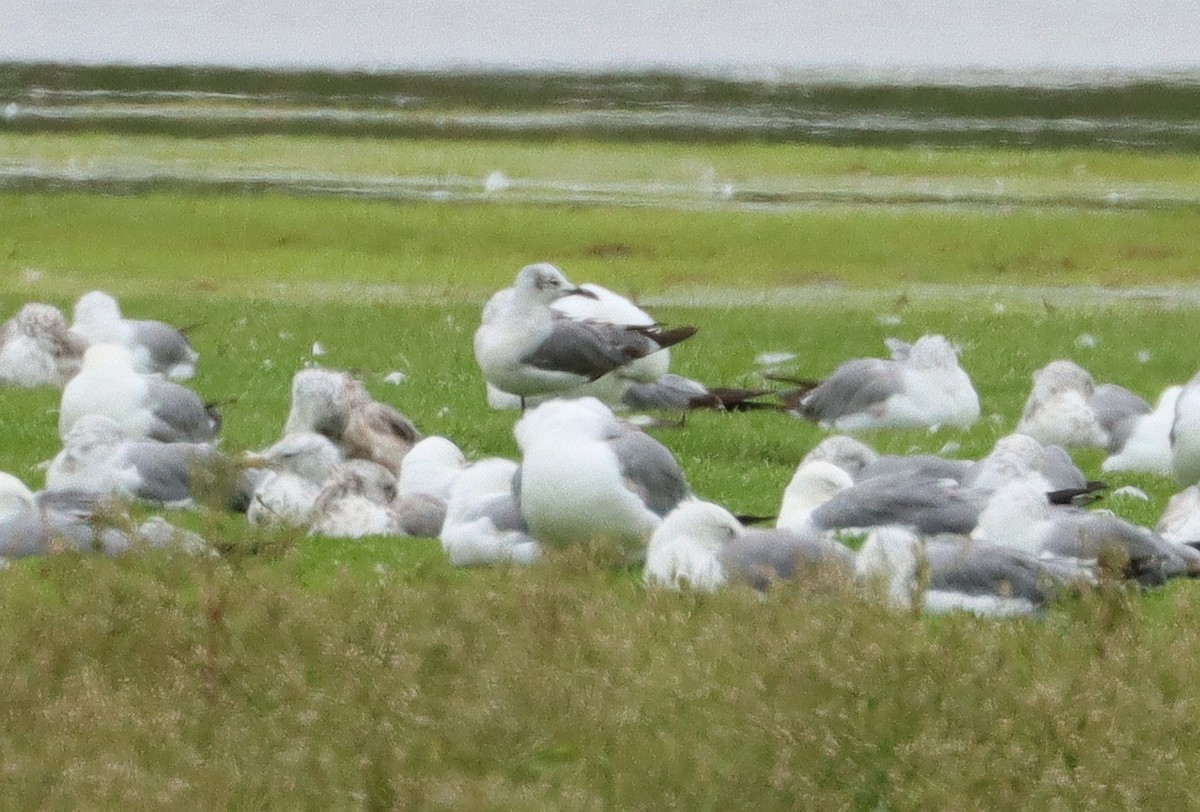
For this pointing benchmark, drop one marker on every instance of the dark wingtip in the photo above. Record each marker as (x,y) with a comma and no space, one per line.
(740,400)
(1076,496)
(663,337)
(746,518)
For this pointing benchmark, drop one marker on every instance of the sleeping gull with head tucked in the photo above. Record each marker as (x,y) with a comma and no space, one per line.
(588,478)
(297,466)
(925,388)
(144,406)
(526,348)
(970,576)
(157,347)
(1147,447)
(37,348)
(1065,407)
(356,501)
(704,546)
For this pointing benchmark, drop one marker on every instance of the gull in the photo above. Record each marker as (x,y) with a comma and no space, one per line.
(99,458)
(970,576)
(927,504)
(926,388)
(1021,457)
(145,406)
(157,347)
(525,348)
(1180,520)
(860,461)
(297,467)
(1018,515)
(339,407)
(37,348)
(588,478)
(356,501)
(1065,407)
(1147,448)
(426,477)
(704,546)
(483,523)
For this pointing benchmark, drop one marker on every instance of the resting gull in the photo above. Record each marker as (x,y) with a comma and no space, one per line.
(1180,521)
(27,528)
(297,467)
(97,457)
(483,522)
(1185,434)
(925,389)
(1018,515)
(356,501)
(588,478)
(526,348)
(37,348)
(339,407)
(704,546)
(1067,408)
(971,576)
(145,406)
(157,347)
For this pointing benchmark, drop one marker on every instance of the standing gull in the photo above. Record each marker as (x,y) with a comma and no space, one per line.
(925,388)
(525,348)
(144,406)
(37,348)
(157,347)
(588,478)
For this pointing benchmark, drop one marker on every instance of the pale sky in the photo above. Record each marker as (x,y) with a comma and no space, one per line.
(1137,35)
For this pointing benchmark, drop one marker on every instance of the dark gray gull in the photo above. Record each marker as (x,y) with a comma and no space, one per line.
(145,406)
(588,478)
(338,406)
(526,348)
(925,389)
(98,458)
(1019,516)
(483,523)
(704,546)
(38,349)
(157,347)
(970,576)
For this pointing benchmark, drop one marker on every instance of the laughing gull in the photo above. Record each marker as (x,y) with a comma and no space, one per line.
(297,466)
(704,546)
(1147,448)
(37,348)
(970,576)
(97,457)
(925,389)
(526,348)
(483,524)
(588,478)
(145,406)
(157,347)
(338,406)
(356,501)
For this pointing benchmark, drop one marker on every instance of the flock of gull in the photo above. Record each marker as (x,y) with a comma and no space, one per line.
(1001,535)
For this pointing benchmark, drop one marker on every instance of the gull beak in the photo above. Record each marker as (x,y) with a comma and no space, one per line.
(587,294)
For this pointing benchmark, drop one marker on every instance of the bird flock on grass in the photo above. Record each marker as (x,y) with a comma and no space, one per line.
(998,536)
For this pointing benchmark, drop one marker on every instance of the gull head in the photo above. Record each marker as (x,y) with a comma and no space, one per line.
(813,484)
(576,417)
(1062,376)
(847,453)
(545,283)
(40,320)
(686,546)
(306,454)
(933,352)
(320,402)
(96,307)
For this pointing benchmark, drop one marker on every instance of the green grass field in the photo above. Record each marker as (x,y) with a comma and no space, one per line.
(309,672)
